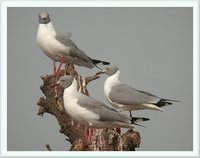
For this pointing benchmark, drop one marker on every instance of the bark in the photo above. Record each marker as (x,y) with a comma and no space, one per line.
(102,139)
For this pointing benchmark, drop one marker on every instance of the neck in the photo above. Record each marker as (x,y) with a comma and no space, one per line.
(50,27)
(74,84)
(115,76)
(72,89)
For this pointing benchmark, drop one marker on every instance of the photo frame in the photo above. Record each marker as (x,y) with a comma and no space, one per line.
(82,3)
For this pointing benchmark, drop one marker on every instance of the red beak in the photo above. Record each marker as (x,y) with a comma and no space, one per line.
(100,72)
(55,84)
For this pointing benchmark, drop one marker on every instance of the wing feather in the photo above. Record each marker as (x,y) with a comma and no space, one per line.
(75,52)
(106,113)
(123,94)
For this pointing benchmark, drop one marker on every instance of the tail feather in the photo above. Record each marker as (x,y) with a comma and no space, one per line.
(139,124)
(164,102)
(95,62)
(138,119)
(171,100)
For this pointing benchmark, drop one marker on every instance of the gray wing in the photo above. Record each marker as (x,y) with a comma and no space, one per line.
(64,38)
(106,113)
(123,94)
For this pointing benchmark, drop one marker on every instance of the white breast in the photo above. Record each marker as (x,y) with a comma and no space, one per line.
(76,111)
(48,44)
(110,82)
(107,87)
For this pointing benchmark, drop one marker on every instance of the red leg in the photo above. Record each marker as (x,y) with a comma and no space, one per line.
(90,136)
(61,62)
(54,68)
(87,135)
(118,130)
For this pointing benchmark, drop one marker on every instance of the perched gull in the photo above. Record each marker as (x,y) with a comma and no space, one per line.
(91,112)
(125,97)
(59,47)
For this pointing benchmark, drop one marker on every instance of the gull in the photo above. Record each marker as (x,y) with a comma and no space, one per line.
(124,97)
(59,47)
(89,111)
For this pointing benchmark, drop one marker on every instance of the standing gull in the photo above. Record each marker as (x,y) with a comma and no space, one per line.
(125,97)
(59,47)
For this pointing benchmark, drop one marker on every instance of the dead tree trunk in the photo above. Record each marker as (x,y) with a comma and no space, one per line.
(102,139)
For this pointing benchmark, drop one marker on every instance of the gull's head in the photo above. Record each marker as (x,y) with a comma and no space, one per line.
(111,69)
(44,18)
(65,81)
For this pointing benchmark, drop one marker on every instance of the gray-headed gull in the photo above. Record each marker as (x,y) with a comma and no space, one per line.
(124,97)
(59,47)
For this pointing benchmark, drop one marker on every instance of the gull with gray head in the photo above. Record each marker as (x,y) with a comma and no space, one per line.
(59,47)
(124,97)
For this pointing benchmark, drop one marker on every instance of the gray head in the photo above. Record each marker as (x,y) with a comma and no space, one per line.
(44,18)
(65,81)
(111,69)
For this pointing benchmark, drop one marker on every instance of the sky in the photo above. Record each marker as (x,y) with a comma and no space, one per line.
(151,46)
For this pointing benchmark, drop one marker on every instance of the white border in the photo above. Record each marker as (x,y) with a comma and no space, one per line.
(107,3)
(101,3)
